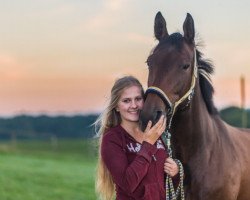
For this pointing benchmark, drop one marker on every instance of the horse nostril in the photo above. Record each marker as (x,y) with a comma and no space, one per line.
(158,115)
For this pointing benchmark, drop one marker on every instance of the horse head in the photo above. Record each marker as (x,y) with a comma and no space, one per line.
(172,70)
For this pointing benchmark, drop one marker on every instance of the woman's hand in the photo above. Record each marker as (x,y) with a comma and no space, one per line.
(170,167)
(151,134)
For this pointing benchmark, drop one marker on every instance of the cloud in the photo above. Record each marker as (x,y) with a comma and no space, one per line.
(106,17)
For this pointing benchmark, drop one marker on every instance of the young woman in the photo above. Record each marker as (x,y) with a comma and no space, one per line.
(132,164)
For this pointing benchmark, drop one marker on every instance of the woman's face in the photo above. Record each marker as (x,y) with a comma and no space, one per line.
(130,104)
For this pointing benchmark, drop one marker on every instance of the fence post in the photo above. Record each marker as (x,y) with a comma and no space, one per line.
(243,101)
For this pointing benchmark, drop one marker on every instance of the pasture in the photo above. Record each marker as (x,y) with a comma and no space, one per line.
(39,170)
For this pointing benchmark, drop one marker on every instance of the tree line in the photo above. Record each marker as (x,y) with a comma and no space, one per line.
(79,126)
(43,127)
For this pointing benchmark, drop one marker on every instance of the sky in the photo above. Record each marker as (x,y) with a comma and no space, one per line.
(63,56)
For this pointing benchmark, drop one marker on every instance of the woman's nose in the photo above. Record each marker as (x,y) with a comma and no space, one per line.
(134,104)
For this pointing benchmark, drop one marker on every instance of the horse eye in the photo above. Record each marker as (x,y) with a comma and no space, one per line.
(186,66)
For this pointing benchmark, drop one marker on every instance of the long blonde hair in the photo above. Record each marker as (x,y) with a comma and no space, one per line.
(105,187)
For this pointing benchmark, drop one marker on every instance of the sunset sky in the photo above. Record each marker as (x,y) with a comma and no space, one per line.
(62,56)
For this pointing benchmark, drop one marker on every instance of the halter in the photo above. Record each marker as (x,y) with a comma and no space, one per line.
(170,192)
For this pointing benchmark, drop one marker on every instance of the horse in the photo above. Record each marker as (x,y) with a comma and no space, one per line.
(215,155)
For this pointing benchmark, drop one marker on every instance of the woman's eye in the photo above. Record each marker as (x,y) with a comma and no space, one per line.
(139,99)
(126,100)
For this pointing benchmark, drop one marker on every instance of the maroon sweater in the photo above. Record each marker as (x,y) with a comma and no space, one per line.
(137,169)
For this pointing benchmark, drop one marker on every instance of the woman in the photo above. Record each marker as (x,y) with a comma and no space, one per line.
(131,163)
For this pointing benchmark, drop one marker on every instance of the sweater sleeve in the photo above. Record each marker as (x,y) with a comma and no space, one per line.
(127,176)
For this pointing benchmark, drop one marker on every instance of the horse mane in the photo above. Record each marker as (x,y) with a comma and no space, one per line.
(205,69)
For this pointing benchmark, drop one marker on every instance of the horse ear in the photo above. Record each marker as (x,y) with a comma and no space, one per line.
(188,28)
(160,27)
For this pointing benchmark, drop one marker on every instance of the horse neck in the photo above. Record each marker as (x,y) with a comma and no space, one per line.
(192,128)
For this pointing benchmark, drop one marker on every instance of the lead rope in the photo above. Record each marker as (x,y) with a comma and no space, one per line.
(171,194)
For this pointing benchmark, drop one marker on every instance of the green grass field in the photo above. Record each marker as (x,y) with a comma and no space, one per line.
(39,170)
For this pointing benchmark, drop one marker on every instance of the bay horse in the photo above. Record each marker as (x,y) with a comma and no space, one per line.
(215,155)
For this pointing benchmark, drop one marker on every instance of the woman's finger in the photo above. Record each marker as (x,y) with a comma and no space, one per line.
(149,125)
(164,123)
(159,123)
(170,160)
(160,128)
(168,165)
(169,172)
(163,127)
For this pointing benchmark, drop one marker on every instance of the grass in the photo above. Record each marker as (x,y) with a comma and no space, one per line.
(40,170)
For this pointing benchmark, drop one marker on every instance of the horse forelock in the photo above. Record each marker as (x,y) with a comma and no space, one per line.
(175,39)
